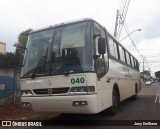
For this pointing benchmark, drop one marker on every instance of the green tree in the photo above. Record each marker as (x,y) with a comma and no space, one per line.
(22,41)
(8,60)
(157,74)
(22,38)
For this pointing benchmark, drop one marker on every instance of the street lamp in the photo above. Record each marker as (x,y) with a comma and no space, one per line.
(130,34)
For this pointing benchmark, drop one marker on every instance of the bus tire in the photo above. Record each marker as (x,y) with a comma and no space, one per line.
(115,100)
(134,97)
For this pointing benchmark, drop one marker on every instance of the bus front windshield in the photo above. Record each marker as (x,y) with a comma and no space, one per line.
(59,51)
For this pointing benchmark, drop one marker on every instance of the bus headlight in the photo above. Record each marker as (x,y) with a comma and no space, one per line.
(82,90)
(26,93)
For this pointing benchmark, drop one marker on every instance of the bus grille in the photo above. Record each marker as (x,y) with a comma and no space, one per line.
(51,91)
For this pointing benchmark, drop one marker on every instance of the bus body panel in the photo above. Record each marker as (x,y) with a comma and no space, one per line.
(63,104)
(104,94)
(52,81)
(125,77)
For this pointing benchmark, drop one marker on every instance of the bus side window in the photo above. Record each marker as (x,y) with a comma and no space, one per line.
(135,65)
(115,50)
(128,58)
(101,31)
(113,47)
(132,61)
(122,55)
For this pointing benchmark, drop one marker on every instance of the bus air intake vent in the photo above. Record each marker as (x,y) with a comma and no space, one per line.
(51,91)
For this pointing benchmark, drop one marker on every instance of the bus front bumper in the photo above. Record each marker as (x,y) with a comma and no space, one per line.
(85,104)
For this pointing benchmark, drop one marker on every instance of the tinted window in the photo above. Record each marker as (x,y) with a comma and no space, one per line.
(113,48)
(132,61)
(137,65)
(121,52)
(128,58)
(101,31)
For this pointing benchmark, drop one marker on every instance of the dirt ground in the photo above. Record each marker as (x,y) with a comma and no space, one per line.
(15,112)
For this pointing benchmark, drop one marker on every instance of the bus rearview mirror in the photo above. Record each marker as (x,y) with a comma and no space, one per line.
(101,46)
(19,56)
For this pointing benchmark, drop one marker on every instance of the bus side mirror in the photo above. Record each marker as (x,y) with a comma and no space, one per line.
(19,57)
(101,67)
(101,46)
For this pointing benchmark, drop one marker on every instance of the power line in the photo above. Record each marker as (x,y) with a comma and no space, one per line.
(121,3)
(152,56)
(150,49)
(121,16)
(144,58)
(127,31)
(120,22)
(150,62)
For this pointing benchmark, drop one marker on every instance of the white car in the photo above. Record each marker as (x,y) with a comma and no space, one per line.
(142,82)
(153,81)
(148,83)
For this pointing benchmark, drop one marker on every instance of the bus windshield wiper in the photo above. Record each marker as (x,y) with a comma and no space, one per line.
(40,63)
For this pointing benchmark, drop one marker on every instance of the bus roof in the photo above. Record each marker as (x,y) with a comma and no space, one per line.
(62,24)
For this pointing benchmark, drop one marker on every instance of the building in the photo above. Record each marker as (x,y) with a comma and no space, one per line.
(2,47)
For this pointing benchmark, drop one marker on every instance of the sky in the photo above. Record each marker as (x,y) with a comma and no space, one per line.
(19,15)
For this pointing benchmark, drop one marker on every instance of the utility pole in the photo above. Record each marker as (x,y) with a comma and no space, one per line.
(120,17)
(116,23)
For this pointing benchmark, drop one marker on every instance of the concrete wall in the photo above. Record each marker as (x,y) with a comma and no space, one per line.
(9,86)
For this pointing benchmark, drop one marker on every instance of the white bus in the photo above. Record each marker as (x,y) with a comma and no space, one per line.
(77,67)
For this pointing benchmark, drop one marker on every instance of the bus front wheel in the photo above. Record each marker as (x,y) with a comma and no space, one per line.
(115,103)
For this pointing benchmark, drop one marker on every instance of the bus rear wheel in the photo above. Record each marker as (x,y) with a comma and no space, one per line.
(134,97)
